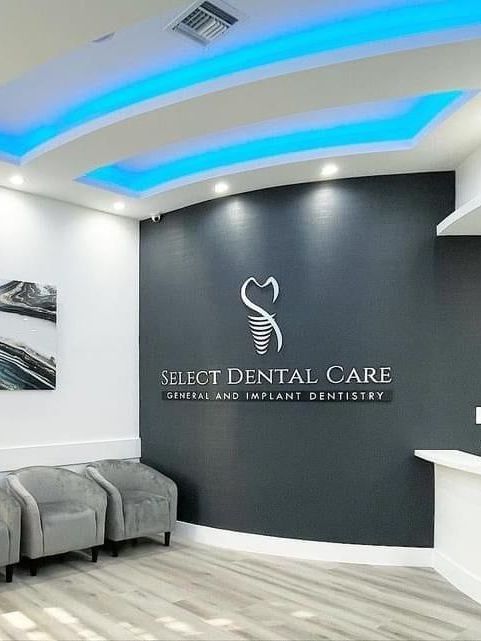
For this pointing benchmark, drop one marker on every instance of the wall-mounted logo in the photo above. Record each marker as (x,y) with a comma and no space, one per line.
(262,323)
(343,383)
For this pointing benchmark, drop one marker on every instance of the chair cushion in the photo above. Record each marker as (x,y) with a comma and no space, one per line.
(67,526)
(4,544)
(144,513)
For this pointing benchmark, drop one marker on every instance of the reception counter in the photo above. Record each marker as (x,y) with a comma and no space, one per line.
(457,518)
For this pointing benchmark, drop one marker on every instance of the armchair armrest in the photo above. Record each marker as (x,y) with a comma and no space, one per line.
(146,478)
(32,537)
(10,514)
(114,521)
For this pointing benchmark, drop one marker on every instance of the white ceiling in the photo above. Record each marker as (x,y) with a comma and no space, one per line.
(61,67)
(33,32)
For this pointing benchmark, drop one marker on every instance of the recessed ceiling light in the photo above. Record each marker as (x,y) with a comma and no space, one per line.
(329,170)
(17,180)
(221,188)
(119,205)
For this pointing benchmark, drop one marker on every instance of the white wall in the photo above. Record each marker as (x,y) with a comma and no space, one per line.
(468,179)
(93,259)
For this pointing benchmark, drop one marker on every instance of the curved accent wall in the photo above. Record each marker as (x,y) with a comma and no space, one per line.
(363,282)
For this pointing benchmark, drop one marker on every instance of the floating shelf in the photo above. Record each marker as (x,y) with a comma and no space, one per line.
(465,221)
(455,459)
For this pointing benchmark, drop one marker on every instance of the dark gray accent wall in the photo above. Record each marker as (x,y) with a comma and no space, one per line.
(363,281)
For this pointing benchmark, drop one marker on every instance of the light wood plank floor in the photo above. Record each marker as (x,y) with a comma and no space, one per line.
(194,592)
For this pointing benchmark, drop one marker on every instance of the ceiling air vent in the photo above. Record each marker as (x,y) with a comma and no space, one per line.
(204,22)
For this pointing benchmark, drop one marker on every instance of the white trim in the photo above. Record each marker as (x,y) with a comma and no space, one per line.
(301,549)
(12,458)
(461,578)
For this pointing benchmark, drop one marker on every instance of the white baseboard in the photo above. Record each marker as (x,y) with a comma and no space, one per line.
(300,549)
(462,578)
(12,458)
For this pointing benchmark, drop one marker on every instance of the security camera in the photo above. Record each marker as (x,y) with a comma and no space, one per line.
(157,218)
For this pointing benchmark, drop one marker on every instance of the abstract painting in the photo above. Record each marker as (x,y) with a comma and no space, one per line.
(28,324)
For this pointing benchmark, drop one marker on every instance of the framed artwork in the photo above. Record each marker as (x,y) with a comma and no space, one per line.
(28,336)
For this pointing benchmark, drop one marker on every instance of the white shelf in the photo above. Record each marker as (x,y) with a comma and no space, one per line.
(455,459)
(465,221)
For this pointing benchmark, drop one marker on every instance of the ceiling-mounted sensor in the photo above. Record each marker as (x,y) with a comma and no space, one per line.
(205,21)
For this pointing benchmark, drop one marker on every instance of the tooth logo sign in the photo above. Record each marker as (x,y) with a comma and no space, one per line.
(262,324)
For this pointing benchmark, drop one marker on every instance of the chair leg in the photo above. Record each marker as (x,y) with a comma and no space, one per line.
(95,554)
(9,573)
(33,566)
(167,539)
(114,546)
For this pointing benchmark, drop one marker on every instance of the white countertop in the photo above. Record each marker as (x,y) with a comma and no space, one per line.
(455,459)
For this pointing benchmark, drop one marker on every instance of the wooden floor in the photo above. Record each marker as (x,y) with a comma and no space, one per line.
(193,592)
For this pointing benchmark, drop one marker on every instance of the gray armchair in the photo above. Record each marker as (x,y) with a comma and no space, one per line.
(141,501)
(61,512)
(9,533)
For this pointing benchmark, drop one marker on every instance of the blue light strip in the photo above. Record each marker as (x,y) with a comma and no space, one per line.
(394,129)
(392,24)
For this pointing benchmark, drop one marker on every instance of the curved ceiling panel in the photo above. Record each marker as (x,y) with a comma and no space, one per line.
(442,148)
(408,73)
(365,32)
(374,127)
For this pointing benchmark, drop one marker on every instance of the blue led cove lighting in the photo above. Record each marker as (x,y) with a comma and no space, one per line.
(392,24)
(399,128)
